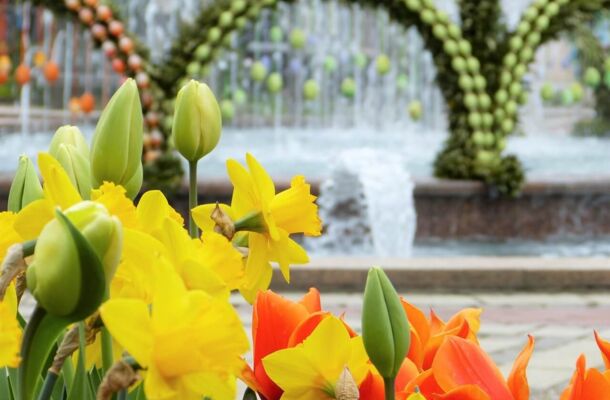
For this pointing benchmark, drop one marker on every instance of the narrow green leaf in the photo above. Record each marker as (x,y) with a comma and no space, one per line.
(58,390)
(5,386)
(13,380)
(81,390)
(40,336)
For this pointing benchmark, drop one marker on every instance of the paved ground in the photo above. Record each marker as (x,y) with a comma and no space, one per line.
(562,323)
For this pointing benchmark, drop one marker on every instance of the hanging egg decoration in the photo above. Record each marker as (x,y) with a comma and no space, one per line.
(115,28)
(87,102)
(72,5)
(104,13)
(74,105)
(39,59)
(22,74)
(51,71)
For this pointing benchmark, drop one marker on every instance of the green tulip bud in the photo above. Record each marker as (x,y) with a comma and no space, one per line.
(383,64)
(402,82)
(360,60)
(197,121)
(415,110)
(214,34)
(311,89)
(202,52)
(77,167)
(547,92)
(385,329)
(465,47)
(227,110)
(55,277)
(69,135)
(459,65)
(577,91)
(592,77)
(258,71)
(240,97)
(330,64)
(276,34)
(471,101)
(450,47)
(428,16)
(297,38)
(275,83)
(440,32)
(348,87)
(116,149)
(25,187)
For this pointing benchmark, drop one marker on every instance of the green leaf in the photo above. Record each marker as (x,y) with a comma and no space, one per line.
(13,380)
(81,389)
(39,338)
(5,387)
(93,280)
(58,389)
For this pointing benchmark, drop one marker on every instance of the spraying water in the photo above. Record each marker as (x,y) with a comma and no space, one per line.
(368,206)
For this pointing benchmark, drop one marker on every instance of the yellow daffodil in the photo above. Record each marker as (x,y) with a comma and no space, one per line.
(311,370)
(10,330)
(277,215)
(211,263)
(8,235)
(189,342)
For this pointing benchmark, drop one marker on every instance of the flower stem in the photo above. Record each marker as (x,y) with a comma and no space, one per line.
(47,387)
(107,356)
(194,232)
(122,395)
(389,388)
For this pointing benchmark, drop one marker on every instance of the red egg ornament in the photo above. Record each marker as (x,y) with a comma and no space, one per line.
(135,62)
(73,5)
(126,44)
(86,15)
(87,102)
(109,48)
(51,71)
(118,65)
(3,76)
(104,13)
(115,28)
(22,74)
(98,31)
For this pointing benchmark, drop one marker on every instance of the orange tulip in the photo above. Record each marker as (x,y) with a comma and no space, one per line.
(604,347)
(274,320)
(465,372)
(587,384)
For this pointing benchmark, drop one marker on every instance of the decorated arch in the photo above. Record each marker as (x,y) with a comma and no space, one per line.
(480,66)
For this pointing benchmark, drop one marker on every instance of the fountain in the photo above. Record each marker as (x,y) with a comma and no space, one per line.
(367,205)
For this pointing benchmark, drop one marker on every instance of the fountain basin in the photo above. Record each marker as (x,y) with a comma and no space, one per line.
(548,210)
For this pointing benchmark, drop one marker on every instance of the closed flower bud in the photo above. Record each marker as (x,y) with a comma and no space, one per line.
(116,150)
(68,134)
(385,328)
(197,121)
(56,277)
(77,168)
(26,187)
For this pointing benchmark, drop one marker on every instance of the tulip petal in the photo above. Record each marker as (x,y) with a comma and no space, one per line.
(460,362)
(311,300)
(467,392)
(417,321)
(129,322)
(517,380)
(372,387)
(604,347)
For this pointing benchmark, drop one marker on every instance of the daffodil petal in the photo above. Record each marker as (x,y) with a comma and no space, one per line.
(261,179)
(57,185)
(30,220)
(129,322)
